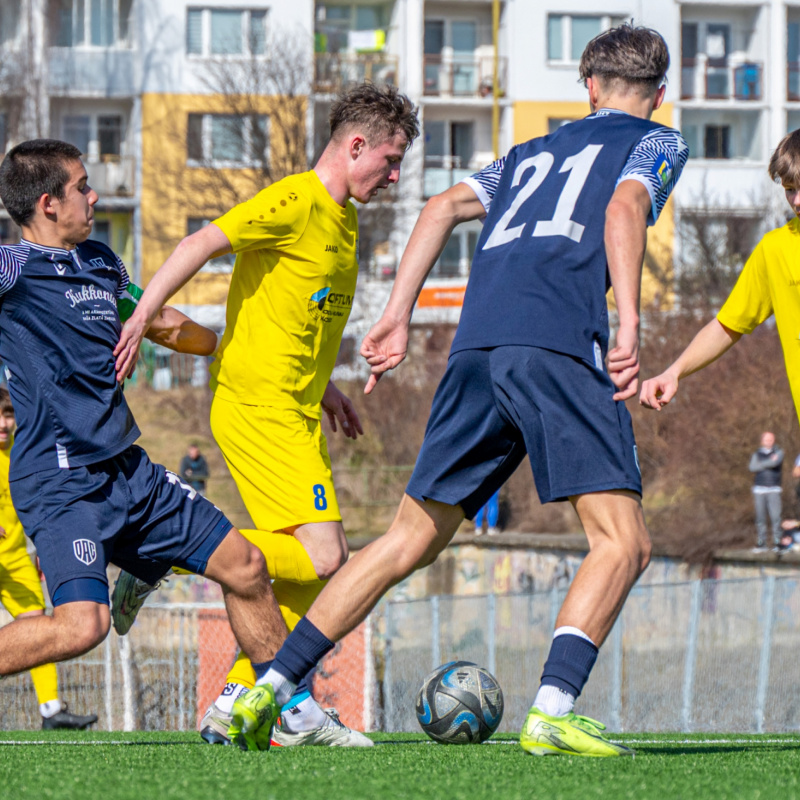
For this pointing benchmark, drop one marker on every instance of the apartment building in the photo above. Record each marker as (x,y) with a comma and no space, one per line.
(184,107)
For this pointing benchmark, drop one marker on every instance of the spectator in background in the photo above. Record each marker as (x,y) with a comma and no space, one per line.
(194,469)
(767,465)
(491,512)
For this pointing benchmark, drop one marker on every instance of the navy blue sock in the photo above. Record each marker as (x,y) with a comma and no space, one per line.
(261,669)
(304,646)
(570,661)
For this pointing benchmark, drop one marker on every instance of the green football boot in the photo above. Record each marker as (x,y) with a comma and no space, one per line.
(252,718)
(570,735)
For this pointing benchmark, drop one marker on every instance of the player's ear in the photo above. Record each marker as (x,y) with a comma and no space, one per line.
(45,204)
(659,98)
(357,146)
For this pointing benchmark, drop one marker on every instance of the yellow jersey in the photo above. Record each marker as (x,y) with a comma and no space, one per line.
(290,296)
(770,283)
(14,540)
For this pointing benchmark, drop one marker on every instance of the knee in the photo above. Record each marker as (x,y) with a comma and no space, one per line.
(328,552)
(644,554)
(252,570)
(409,551)
(82,628)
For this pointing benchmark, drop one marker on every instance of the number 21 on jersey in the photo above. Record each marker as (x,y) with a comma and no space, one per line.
(562,223)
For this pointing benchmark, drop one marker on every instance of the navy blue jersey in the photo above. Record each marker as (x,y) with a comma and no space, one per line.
(539,275)
(58,329)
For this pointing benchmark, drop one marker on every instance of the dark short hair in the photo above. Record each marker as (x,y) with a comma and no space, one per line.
(378,111)
(31,169)
(784,165)
(632,56)
(6,406)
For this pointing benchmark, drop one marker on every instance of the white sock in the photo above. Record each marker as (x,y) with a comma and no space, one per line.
(230,694)
(283,687)
(305,716)
(553,701)
(51,708)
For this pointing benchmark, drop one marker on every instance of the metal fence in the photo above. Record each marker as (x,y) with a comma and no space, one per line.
(702,656)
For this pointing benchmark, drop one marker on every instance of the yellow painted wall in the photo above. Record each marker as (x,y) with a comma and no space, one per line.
(531,120)
(172,192)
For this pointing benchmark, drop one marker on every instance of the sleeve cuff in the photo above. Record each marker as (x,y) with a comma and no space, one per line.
(481,193)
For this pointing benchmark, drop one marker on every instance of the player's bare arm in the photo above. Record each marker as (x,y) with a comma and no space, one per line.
(708,345)
(173,329)
(384,347)
(341,412)
(625,241)
(187,259)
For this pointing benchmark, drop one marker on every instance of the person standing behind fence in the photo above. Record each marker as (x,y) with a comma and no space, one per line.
(491,511)
(194,468)
(767,465)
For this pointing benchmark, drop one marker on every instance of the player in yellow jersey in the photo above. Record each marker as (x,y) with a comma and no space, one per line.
(20,586)
(769,283)
(296,246)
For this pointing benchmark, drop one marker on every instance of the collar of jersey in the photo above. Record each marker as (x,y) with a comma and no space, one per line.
(57,251)
(604,112)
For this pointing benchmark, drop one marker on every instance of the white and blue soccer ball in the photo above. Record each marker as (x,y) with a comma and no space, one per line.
(460,703)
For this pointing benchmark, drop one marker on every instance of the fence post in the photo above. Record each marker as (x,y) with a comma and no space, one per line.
(691,656)
(435,632)
(616,676)
(766,644)
(184,723)
(369,674)
(491,630)
(109,681)
(127,683)
(388,705)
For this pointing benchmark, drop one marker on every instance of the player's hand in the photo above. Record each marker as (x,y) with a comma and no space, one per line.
(658,391)
(127,350)
(623,363)
(339,407)
(384,347)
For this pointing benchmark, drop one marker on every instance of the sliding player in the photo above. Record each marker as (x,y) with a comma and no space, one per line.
(565,215)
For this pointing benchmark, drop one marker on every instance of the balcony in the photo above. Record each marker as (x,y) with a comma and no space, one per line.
(108,72)
(462,76)
(442,172)
(334,72)
(720,79)
(112,176)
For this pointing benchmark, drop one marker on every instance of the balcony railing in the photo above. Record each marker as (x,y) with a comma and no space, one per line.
(112,176)
(462,76)
(721,80)
(336,71)
(442,172)
(793,82)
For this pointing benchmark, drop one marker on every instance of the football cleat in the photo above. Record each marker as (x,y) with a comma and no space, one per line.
(571,735)
(332,733)
(253,717)
(64,720)
(127,599)
(214,726)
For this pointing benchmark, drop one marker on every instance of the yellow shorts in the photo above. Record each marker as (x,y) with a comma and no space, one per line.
(279,460)
(20,587)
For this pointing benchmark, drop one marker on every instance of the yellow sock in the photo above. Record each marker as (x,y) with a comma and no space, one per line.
(45,682)
(286,558)
(294,600)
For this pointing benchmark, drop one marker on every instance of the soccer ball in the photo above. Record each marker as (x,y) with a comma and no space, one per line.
(460,703)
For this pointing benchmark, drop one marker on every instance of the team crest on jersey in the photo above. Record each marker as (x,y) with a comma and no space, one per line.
(325,305)
(60,268)
(662,169)
(98,262)
(85,551)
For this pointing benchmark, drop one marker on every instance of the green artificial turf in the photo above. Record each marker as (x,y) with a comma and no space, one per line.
(163,766)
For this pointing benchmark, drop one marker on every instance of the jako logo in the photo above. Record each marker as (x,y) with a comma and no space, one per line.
(331,248)
(85,551)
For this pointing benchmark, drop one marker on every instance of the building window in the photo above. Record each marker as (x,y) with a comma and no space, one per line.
(568,34)
(717,141)
(226,32)
(457,255)
(340,28)
(216,266)
(76,129)
(227,140)
(554,123)
(109,136)
(9,20)
(89,23)
(100,137)
(3,131)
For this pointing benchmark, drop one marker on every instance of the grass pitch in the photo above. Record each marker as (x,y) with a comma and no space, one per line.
(163,766)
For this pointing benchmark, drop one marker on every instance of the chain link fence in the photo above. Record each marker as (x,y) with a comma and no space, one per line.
(705,656)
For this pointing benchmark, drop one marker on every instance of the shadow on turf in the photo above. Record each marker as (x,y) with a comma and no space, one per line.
(714,749)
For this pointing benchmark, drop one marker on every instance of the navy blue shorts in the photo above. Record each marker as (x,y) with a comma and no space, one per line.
(126,511)
(496,405)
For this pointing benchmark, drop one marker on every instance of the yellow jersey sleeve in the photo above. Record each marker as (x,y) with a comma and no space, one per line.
(275,218)
(750,302)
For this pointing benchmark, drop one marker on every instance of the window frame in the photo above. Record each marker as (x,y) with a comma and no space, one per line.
(118,42)
(206,143)
(247,34)
(606,21)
